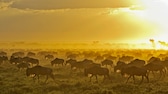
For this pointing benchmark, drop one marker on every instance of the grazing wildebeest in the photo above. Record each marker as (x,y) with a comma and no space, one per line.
(72,56)
(18,54)
(70,61)
(134,71)
(119,66)
(99,58)
(57,61)
(107,62)
(49,56)
(2,53)
(31,54)
(40,70)
(97,70)
(23,65)
(30,60)
(3,59)
(15,60)
(81,64)
(126,58)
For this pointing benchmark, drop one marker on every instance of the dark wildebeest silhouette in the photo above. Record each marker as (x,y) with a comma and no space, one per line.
(107,62)
(2,53)
(49,56)
(31,54)
(81,64)
(40,70)
(72,56)
(99,58)
(57,61)
(137,63)
(126,58)
(119,66)
(70,61)
(154,60)
(3,59)
(32,61)
(15,60)
(23,65)
(134,71)
(97,70)
(18,54)
(151,67)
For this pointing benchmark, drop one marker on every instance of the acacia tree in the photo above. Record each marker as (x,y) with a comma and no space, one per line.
(152,42)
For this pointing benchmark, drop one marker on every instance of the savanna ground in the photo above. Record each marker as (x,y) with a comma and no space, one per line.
(14,81)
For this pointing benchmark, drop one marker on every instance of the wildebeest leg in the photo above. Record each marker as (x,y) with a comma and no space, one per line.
(46,79)
(153,73)
(128,78)
(133,78)
(104,78)
(52,76)
(109,77)
(91,77)
(165,70)
(38,78)
(96,79)
(34,78)
(147,78)
(142,79)
(161,73)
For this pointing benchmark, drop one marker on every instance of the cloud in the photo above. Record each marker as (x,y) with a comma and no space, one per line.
(61,4)
(72,24)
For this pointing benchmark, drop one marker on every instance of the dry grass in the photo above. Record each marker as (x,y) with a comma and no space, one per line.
(14,81)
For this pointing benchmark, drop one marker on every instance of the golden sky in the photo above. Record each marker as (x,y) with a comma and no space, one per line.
(83,20)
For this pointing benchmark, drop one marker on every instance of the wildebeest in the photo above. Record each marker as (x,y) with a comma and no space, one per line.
(153,60)
(81,64)
(57,61)
(126,58)
(49,56)
(30,60)
(40,70)
(3,59)
(151,67)
(119,66)
(70,61)
(23,65)
(99,58)
(2,53)
(137,63)
(134,71)
(15,60)
(107,62)
(18,54)
(31,54)
(97,70)
(72,56)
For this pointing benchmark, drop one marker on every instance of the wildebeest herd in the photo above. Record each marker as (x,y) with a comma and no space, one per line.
(91,63)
